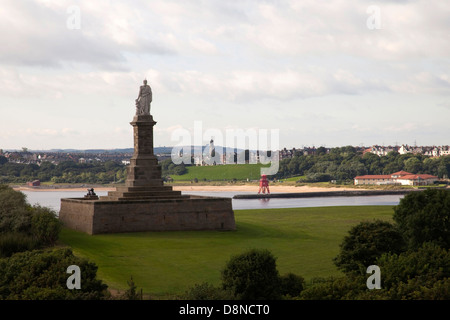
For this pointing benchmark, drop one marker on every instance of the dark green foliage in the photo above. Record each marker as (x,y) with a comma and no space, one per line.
(39,274)
(13,242)
(423,274)
(424,217)
(64,172)
(416,268)
(23,227)
(316,177)
(365,243)
(206,291)
(15,213)
(131,293)
(252,275)
(291,285)
(168,168)
(335,288)
(417,274)
(345,163)
(342,163)
(45,226)
(15,223)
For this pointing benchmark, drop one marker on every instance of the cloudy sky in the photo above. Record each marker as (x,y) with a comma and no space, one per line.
(324,73)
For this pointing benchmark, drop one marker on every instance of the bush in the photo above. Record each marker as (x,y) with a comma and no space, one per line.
(252,275)
(291,285)
(206,291)
(333,288)
(31,223)
(416,274)
(131,293)
(13,242)
(41,274)
(424,217)
(366,242)
(316,177)
(45,226)
(15,215)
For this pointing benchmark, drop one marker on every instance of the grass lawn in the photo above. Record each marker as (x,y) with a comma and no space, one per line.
(165,264)
(294,179)
(222,172)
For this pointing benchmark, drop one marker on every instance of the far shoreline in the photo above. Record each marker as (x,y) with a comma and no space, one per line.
(195,188)
(251,188)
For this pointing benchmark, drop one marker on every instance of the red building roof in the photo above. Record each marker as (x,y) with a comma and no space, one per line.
(418,176)
(374,176)
(408,176)
(401,173)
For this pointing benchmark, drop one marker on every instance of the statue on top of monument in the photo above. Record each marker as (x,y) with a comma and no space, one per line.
(144,99)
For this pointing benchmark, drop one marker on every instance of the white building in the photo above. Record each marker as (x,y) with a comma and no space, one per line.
(399,178)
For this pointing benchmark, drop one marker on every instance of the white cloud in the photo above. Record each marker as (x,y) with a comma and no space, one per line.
(216,58)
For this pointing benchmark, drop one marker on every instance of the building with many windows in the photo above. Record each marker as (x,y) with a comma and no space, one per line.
(399,178)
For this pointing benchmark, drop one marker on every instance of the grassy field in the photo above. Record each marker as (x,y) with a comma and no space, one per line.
(294,179)
(165,264)
(222,172)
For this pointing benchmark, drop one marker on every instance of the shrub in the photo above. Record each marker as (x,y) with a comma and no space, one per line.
(366,242)
(417,274)
(41,274)
(316,177)
(207,291)
(291,285)
(15,215)
(252,275)
(131,293)
(425,217)
(45,226)
(13,242)
(335,288)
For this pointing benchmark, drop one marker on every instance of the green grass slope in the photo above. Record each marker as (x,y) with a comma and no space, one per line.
(222,172)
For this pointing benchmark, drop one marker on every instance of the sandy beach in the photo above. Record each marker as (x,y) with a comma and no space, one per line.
(226,188)
(254,188)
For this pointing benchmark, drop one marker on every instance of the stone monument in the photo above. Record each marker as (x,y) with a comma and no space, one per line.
(144,203)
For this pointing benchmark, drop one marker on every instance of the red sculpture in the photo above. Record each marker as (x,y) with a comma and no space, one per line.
(263,184)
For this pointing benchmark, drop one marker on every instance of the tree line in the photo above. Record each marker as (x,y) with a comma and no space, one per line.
(64,172)
(340,164)
(73,172)
(345,163)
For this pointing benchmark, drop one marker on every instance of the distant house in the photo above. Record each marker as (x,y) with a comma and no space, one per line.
(35,183)
(400,178)
(381,150)
(417,179)
(431,151)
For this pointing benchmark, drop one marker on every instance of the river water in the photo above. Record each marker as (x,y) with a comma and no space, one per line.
(52,199)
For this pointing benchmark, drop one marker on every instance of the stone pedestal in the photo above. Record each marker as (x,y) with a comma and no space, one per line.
(144,169)
(144,203)
(144,173)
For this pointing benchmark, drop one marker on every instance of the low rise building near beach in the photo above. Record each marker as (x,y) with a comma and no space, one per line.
(397,178)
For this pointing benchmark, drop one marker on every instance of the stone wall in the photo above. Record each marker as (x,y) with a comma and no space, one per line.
(196,213)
